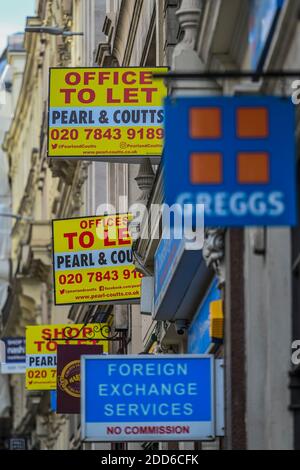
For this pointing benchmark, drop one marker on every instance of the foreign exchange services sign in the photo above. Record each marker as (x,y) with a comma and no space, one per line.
(93,261)
(235,155)
(147,398)
(113,114)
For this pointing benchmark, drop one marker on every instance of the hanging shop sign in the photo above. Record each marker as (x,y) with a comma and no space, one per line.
(234,155)
(263,19)
(41,349)
(106,114)
(147,398)
(93,261)
(14,357)
(206,330)
(69,377)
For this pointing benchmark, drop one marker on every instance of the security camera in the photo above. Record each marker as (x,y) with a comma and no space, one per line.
(181,326)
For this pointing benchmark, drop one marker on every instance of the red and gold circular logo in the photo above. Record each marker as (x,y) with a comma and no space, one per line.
(69,380)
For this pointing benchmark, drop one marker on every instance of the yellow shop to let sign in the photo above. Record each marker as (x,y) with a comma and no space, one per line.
(106,114)
(93,261)
(41,349)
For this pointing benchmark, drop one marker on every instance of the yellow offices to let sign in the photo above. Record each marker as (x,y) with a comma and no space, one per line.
(99,113)
(93,261)
(41,348)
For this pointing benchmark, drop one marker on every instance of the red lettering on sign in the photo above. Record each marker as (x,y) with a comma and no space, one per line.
(146,78)
(103,77)
(73,78)
(70,237)
(124,237)
(149,93)
(89,236)
(110,97)
(68,94)
(107,241)
(131,95)
(86,96)
(126,80)
(89,76)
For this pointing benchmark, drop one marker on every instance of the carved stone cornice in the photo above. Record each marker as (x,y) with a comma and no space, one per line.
(104,57)
(27,201)
(214,252)
(79,180)
(63,169)
(55,424)
(64,50)
(36,255)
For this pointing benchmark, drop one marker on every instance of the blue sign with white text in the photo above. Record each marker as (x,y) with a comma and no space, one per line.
(15,356)
(15,350)
(234,155)
(138,398)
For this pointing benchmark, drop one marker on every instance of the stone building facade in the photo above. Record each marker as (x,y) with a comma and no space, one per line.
(41,192)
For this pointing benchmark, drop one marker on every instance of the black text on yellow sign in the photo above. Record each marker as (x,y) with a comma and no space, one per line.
(106,114)
(93,261)
(41,349)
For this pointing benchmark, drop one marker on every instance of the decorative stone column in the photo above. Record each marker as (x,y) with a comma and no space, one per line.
(185,56)
(145,179)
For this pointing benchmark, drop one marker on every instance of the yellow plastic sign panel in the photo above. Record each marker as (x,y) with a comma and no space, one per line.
(41,348)
(216,320)
(93,261)
(106,113)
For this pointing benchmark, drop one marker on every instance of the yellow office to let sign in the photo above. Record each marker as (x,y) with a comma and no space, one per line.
(106,114)
(41,348)
(93,261)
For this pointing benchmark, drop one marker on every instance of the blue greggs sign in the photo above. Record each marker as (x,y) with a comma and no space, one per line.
(147,398)
(234,155)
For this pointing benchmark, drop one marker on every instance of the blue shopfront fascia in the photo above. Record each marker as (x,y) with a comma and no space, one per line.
(181,280)
(199,339)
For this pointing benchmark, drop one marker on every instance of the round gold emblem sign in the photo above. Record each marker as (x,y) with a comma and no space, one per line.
(69,380)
